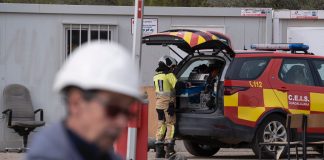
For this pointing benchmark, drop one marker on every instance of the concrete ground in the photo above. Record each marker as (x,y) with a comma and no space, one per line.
(11,156)
(226,154)
(229,154)
(223,154)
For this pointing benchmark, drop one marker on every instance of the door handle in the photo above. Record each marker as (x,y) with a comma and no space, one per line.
(283,89)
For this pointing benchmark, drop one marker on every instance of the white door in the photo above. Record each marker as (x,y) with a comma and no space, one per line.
(312,36)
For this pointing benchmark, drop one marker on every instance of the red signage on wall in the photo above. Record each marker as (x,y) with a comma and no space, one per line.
(139,9)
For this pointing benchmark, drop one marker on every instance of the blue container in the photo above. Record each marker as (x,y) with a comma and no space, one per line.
(193,93)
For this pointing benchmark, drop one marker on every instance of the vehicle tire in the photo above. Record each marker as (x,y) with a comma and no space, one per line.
(201,150)
(273,129)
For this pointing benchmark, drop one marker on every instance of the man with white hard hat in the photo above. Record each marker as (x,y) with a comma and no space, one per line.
(98,82)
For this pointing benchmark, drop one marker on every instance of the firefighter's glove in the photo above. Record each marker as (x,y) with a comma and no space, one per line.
(171,109)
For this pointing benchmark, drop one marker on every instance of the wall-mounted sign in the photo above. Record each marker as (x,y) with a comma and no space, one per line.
(304,14)
(255,12)
(150,26)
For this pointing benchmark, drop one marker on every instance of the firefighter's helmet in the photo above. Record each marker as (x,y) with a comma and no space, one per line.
(168,60)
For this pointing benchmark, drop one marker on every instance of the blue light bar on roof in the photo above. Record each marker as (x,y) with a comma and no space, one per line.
(285,47)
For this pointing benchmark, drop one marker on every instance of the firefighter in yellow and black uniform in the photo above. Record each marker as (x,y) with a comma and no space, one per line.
(165,83)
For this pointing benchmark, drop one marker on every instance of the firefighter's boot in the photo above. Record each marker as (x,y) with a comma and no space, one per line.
(170,150)
(159,150)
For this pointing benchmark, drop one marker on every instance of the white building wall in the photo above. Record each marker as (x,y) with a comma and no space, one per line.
(32,51)
(310,26)
(32,45)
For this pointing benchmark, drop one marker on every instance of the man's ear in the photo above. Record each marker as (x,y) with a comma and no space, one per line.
(74,101)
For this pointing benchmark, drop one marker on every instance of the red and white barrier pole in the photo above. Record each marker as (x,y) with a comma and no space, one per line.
(137,130)
(141,125)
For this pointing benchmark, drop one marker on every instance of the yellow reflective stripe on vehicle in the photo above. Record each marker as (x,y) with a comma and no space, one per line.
(192,38)
(283,98)
(187,37)
(298,111)
(214,37)
(274,98)
(231,101)
(250,113)
(201,40)
(173,33)
(317,102)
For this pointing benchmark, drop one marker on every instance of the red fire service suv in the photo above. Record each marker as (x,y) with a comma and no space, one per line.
(240,98)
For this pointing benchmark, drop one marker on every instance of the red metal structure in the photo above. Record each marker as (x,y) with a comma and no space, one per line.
(141,123)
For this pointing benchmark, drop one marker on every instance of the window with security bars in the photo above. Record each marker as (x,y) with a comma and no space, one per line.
(77,34)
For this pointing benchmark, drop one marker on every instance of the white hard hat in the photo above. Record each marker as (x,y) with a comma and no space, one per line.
(168,60)
(100,65)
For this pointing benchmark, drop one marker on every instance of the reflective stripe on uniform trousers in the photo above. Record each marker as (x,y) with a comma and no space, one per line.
(165,121)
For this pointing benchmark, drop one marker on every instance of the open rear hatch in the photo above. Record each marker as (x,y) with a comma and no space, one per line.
(191,42)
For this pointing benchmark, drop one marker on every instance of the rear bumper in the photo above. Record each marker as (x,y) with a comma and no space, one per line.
(212,127)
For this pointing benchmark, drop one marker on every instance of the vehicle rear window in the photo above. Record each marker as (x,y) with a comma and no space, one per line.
(246,68)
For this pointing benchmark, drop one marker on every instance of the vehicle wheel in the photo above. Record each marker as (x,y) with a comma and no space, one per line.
(273,129)
(202,150)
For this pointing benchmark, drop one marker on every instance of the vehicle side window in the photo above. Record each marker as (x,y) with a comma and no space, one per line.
(199,64)
(319,66)
(296,71)
(246,68)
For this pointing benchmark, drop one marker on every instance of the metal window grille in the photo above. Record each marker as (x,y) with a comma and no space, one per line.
(77,34)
